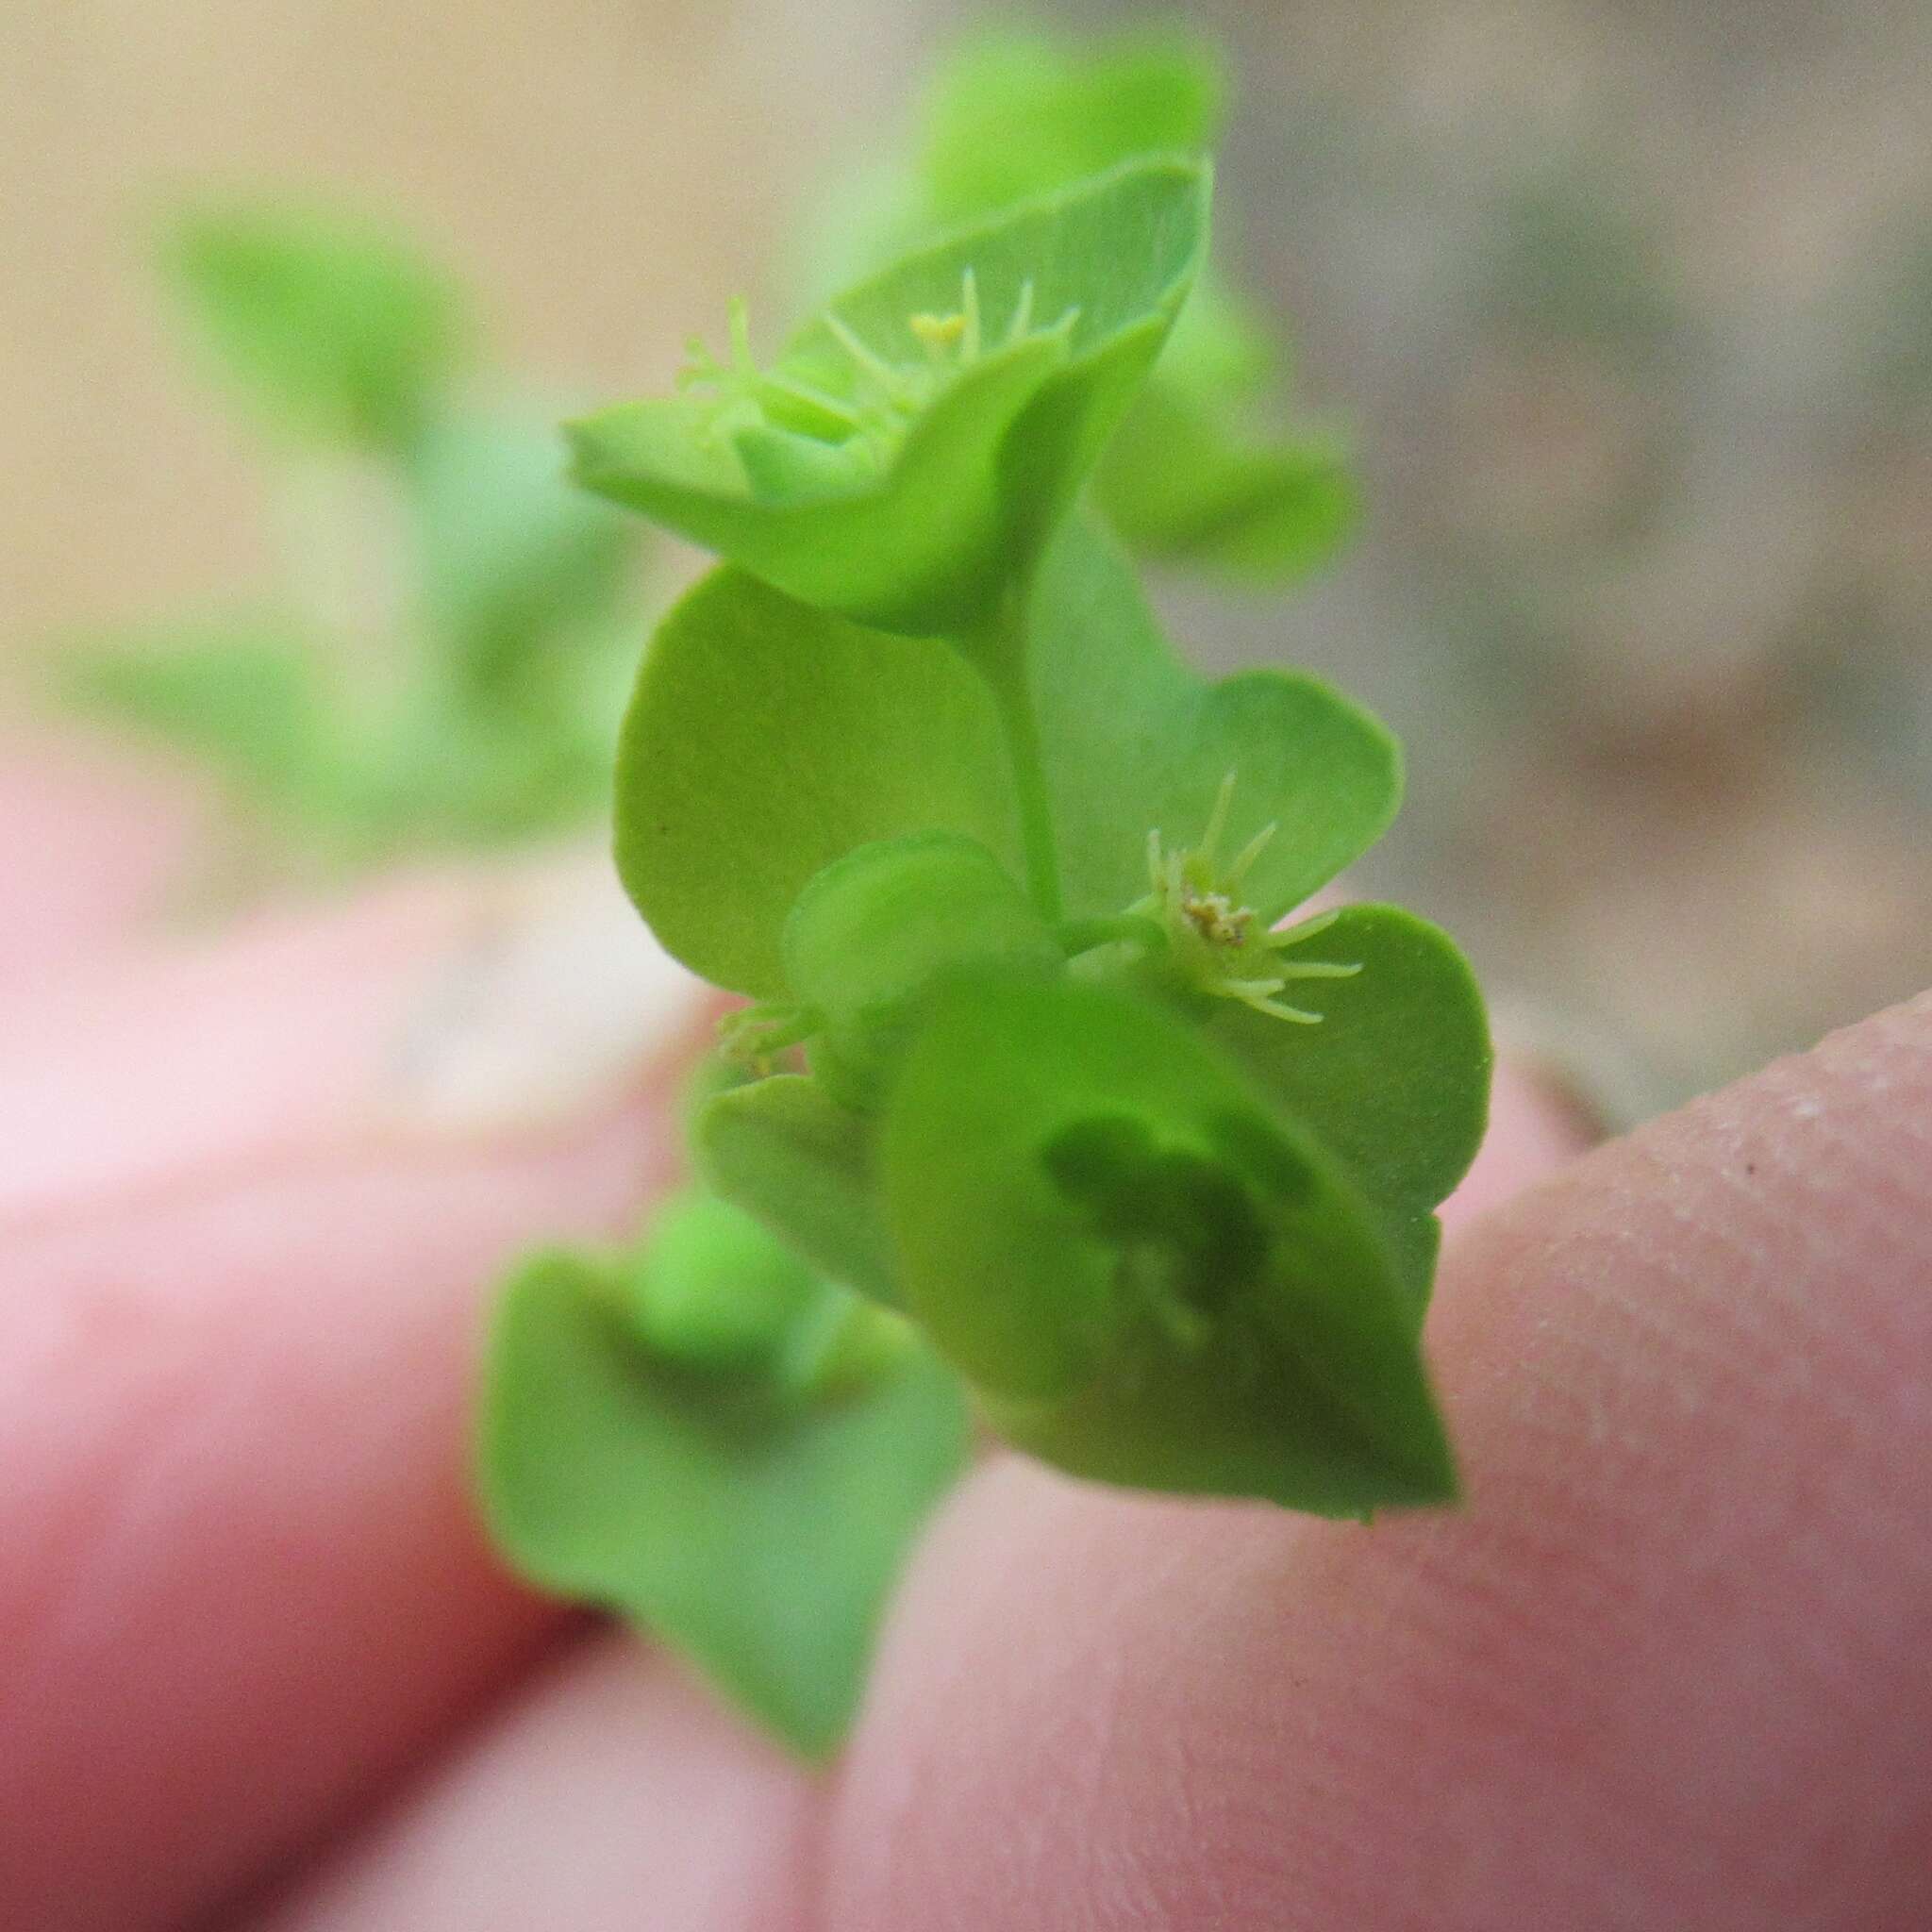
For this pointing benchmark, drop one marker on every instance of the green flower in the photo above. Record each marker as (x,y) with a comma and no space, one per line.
(1149,1274)
(915,445)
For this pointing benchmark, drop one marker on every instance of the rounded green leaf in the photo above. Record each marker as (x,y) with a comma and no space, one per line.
(1136,741)
(1149,1275)
(1395,1077)
(765,741)
(871,933)
(758,1537)
(783,1151)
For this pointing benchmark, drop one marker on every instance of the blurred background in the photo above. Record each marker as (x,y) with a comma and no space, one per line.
(1626,307)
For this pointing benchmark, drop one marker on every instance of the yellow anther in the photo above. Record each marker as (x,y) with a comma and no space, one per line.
(939,332)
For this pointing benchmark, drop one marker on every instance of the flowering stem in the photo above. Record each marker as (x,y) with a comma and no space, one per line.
(1083,935)
(999,653)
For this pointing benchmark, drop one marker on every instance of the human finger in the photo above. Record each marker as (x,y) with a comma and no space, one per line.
(515,1827)
(1671,1663)
(243,1580)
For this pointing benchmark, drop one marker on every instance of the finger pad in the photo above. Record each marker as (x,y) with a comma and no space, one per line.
(243,1575)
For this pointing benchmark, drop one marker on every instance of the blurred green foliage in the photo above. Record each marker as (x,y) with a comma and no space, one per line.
(443,662)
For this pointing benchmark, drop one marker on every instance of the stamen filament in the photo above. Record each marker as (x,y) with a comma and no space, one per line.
(1279,1011)
(1250,852)
(1022,314)
(869,362)
(1217,821)
(1294,935)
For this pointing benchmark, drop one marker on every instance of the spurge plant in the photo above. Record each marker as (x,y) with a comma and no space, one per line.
(1047,1105)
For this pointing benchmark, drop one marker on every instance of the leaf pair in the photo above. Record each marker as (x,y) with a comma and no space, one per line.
(810,811)
(767,740)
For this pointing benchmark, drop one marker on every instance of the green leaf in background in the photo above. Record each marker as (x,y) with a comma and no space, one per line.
(1182,483)
(434,773)
(1148,1275)
(1012,115)
(767,740)
(243,695)
(1203,471)
(872,932)
(465,636)
(784,1152)
(920,438)
(755,1527)
(518,570)
(332,329)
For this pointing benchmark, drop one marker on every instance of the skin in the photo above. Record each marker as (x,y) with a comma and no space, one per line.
(95,841)
(1671,1664)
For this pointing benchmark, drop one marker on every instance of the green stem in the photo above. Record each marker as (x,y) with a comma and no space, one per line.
(1083,935)
(1000,654)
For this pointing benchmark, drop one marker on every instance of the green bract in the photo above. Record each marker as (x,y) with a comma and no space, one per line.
(1150,1276)
(872,932)
(917,441)
(766,740)
(1050,1070)
(716,1454)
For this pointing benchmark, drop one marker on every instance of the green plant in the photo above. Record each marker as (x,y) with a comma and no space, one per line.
(1038,1103)
(443,664)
